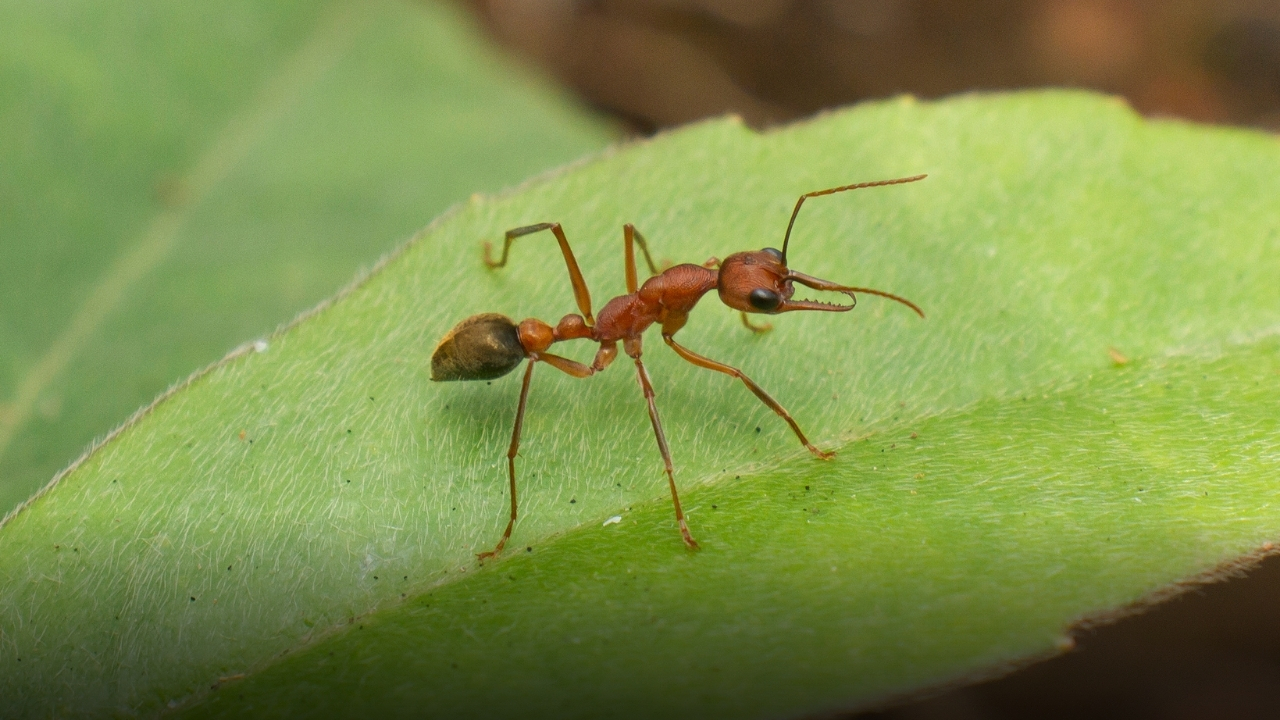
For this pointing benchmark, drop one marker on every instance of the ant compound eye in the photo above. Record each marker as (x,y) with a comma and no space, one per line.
(765,300)
(775,252)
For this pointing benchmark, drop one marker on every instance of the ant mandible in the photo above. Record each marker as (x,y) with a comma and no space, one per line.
(489,345)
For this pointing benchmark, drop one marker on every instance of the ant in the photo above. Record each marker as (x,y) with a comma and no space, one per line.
(489,345)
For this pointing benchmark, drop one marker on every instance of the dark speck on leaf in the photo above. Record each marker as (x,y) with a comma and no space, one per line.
(490,382)
(528,549)
(572,500)
(757,428)
(348,431)
(806,487)
(193,599)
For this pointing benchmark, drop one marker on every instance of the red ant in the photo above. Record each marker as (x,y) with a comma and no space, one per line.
(489,345)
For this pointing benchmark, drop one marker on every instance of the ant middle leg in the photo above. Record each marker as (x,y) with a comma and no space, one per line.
(580,292)
(633,349)
(710,364)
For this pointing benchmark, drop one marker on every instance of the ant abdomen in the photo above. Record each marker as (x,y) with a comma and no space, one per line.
(482,347)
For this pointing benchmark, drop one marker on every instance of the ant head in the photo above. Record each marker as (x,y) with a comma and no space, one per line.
(759,282)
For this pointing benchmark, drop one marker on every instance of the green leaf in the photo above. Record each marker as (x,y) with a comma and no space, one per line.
(999,475)
(177,178)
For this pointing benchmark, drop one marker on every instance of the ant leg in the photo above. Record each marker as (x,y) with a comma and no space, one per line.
(580,292)
(762,328)
(662,446)
(604,356)
(570,367)
(567,366)
(710,364)
(711,263)
(631,236)
(511,462)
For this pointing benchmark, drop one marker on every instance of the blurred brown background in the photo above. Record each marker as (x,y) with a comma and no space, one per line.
(657,63)
(1212,653)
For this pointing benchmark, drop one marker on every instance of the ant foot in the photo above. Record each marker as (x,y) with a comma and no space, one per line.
(687,537)
(488,255)
(481,557)
(822,454)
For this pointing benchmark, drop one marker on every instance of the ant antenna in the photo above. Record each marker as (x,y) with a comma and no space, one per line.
(816,193)
(884,294)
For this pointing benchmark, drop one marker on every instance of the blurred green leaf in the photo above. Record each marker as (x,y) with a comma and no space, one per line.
(177,178)
(1000,475)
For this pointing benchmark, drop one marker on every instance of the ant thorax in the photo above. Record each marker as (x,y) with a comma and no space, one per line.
(663,298)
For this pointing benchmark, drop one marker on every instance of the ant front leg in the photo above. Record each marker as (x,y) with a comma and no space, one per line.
(632,347)
(580,292)
(757,329)
(710,364)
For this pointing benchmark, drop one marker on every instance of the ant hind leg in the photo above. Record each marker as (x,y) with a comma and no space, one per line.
(512,450)
(565,365)
(580,292)
(632,237)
